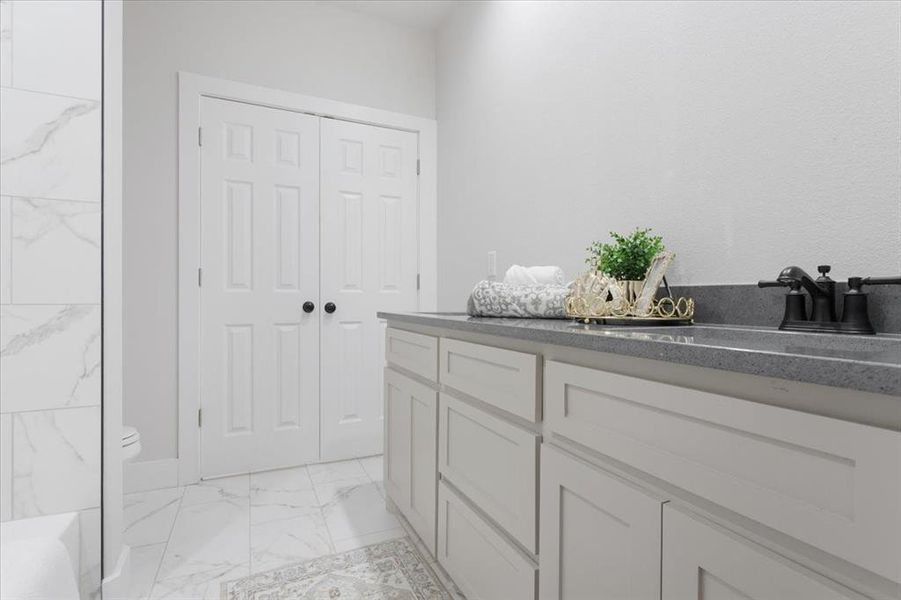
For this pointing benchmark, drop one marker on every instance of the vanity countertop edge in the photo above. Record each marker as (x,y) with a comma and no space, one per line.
(861,363)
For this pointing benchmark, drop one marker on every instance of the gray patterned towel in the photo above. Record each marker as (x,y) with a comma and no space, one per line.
(495,299)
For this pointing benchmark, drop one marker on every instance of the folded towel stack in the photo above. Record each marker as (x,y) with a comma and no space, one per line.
(494,299)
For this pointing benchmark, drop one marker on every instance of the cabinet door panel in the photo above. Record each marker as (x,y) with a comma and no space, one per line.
(600,536)
(423,463)
(397,438)
(411,452)
(702,560)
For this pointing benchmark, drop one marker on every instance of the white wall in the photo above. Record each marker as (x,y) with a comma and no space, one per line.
(751,135)
(50,264)
(296,46)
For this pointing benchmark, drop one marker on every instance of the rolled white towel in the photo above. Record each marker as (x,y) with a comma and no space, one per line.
(520,275)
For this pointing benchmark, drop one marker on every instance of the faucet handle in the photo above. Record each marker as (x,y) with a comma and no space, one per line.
(766,284)
(882,280)
(824,269)
(794,284)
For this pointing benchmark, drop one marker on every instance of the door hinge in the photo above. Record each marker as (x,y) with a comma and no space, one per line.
(417,166)
(200,136)
(417,281)
(199,277)
(199,417)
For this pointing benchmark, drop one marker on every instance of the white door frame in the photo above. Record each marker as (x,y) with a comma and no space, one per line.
(191,88)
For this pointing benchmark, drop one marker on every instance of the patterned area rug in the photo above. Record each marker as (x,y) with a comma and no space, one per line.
(391,570)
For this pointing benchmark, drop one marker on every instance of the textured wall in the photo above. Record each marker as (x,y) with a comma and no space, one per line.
(50,203)
(752,135)
(303,47)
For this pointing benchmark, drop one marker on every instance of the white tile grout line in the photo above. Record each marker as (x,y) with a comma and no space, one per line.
(15,88)
(331,541)
(156,573)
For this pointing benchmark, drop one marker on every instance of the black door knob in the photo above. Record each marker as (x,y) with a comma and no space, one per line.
(330,307)
(308,306)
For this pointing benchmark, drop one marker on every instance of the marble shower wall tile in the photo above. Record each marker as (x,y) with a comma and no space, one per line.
(34,338)
(55,252)
(5,249)
(6,41)
(72,30)
(6,466)
(50,261)
(56,461)
(50,146)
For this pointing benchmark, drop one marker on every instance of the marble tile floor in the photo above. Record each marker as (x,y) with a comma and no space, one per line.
(186,541)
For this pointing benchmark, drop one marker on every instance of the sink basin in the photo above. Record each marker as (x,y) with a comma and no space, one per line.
(881,349)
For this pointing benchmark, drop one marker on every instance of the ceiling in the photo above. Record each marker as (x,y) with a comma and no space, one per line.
(420,14)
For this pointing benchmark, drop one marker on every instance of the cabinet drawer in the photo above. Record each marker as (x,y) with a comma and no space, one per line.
(493,463)
(415,352)
(600,536)
(481,562)
(503,378)
(702,560)
(832,484)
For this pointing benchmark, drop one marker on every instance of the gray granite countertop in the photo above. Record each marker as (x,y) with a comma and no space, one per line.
(865,363)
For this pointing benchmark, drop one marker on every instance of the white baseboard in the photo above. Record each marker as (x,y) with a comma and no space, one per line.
(116,585)
(149,475)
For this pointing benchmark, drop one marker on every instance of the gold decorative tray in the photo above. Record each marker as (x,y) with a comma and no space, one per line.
(603,299)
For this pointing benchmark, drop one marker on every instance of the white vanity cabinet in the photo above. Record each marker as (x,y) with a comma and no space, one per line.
(411,476)
(558,473)
(832,484)
(702,560)
(600,535)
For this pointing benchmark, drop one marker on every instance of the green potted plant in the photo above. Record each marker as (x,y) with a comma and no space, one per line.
(626,259)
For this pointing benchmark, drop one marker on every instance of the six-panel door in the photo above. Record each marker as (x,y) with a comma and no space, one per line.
(600,536)
(370,249)
(259,353)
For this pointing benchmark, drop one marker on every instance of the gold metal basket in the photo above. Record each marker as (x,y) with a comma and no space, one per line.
(598,298)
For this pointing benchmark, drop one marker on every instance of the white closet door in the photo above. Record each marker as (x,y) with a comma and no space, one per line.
(369,204)
(259,351)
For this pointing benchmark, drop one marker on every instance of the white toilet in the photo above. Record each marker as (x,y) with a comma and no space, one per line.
(131,443)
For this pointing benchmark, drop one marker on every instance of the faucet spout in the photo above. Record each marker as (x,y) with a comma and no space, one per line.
(798,274)
(822,294)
